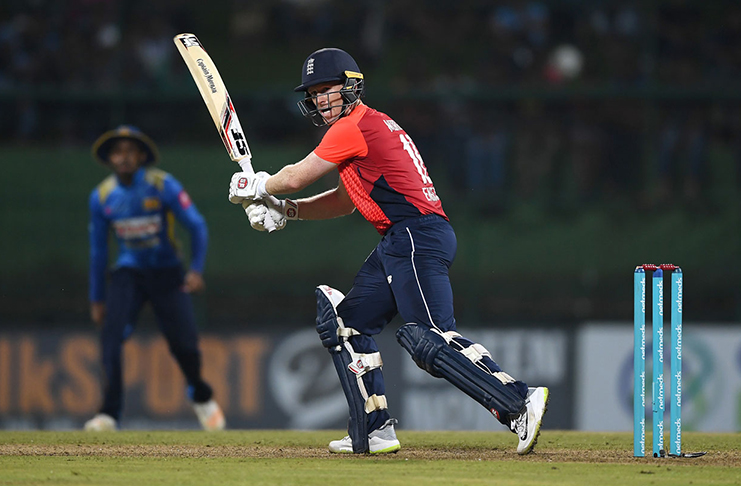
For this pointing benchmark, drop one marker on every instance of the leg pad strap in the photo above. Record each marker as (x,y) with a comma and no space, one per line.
(376,402)
(431,351)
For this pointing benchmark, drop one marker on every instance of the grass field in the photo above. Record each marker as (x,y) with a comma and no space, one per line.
(258,457)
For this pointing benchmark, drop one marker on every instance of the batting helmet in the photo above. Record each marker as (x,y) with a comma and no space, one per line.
(325,65)
(102,146)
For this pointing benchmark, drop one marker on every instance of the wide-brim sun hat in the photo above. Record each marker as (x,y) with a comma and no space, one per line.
(103,145)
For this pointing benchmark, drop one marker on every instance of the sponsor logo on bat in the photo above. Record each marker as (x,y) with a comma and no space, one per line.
(191,41)
(239,141)
(207,74)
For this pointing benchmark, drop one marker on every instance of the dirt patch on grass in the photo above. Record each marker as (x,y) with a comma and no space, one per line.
(554,455)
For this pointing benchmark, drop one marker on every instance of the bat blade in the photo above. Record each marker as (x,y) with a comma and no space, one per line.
(219,104)
(215,96)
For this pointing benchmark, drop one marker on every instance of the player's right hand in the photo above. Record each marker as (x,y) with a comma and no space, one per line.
(193,282)
(279,210)
(97,313)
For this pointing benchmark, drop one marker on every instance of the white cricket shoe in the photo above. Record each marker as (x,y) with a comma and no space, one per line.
(102,422)
(210,415)
(527,425)
(381,441)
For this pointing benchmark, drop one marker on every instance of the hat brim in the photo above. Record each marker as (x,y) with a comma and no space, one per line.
(104,143)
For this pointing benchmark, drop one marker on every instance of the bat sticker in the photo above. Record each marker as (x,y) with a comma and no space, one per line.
(207,74)
(191,41)
(239,141)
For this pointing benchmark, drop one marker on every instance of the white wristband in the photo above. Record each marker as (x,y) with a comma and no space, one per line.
(260,190)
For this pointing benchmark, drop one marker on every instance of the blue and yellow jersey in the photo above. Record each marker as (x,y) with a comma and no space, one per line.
(142,217)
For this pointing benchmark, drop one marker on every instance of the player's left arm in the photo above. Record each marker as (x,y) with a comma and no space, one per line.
(327,205)
(295,177)
(185,211)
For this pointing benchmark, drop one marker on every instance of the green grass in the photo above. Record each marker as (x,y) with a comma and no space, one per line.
(291,457)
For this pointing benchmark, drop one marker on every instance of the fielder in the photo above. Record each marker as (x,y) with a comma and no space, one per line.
(139,205)
(382,175)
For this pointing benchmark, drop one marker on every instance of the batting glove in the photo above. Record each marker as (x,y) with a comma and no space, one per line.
(278,210)
(246,186)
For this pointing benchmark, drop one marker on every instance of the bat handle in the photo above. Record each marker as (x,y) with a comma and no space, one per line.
(246,165)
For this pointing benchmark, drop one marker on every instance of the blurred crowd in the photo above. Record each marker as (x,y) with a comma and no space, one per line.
(510,98)
(99,44)
(84,45)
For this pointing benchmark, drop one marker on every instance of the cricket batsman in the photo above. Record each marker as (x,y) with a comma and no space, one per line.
(139,205)
(383,176)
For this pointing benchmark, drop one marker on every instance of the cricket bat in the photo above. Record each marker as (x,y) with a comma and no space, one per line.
(219,104)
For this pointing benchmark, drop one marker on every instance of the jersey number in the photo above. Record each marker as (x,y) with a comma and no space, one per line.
(416,158)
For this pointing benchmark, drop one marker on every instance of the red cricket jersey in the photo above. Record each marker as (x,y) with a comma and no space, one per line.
(380,167)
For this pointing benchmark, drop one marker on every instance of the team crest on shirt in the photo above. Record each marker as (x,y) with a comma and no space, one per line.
(151,203)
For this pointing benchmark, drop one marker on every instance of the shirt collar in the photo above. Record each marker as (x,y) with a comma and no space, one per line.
(136,179)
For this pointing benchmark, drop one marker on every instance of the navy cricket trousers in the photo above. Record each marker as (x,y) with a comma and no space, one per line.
(128,291)
(407,273)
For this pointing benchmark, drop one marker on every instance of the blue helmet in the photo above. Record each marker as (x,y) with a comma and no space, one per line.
(326,65)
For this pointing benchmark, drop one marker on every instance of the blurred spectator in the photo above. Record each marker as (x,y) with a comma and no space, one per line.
(22,48)
(304,22)
(623,135)
(28,119)
(521,34)
(152,38)
(680,33)
(536,146)
(250,21)
(613,36)
(721,53)
(586,154)
(486,153)
(681,158)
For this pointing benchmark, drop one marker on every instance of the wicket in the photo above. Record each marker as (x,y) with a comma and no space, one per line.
(639,361)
